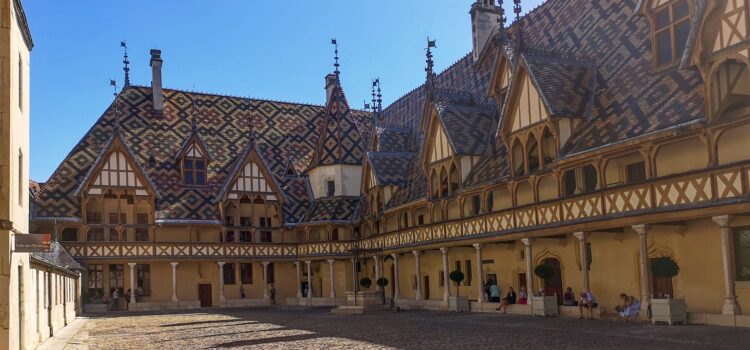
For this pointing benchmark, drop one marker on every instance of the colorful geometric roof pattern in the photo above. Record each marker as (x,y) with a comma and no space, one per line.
(394,139)
(469,127)
(340,141)
(333,209)
(390,167)
(282,131)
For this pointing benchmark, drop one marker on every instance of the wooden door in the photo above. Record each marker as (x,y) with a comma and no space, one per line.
(204,294)
(554,285)
(661,286)
(426,286)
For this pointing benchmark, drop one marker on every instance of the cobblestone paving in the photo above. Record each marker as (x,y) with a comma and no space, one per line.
(268,328)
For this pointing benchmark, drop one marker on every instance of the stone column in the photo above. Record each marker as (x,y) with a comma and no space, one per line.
(731,307)
(330,273)
(309,282)
(174,281)
(529,268)
(377,272)
(265,280)
(582,238)
(222,299)
(481,296)
(132,282)
(446,281)
(642,231)
(396,294)
(418,272)
(299,281)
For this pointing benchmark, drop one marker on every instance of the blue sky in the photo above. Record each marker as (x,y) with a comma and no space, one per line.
(267,49)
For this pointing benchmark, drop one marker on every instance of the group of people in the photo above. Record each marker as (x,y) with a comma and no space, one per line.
(271,293)
(120,301)
(510,298)
(585,301)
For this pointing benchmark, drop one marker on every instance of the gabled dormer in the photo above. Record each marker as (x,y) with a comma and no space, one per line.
(548,98)
(193,160)
(384,173)
(336,167)
(457,132)
(250,176)
(116,168)
(501,75)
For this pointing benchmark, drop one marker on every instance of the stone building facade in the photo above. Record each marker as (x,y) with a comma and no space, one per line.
(587,136)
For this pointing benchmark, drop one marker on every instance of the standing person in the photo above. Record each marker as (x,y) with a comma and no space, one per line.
(242,292)
(272,294)
(587,301)
(127,297)
(510,299)
(494,293)
(115,300)
(487,287)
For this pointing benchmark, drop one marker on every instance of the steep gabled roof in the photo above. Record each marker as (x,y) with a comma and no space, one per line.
(333,209)
(250,153)
(340,139)
(390,168)
(566,86)
(468,127)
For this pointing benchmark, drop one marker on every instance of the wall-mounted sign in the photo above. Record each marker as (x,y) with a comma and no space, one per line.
(32,243)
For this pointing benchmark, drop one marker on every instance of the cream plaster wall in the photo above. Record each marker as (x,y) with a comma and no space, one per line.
(347,178)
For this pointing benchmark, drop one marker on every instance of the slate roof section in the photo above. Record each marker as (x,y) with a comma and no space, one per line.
(390,167)
(469,128)
(566,87)
(491,168)
(333,209)
(391,139)
(58,257)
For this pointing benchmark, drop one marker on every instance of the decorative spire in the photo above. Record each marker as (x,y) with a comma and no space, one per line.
(502,19)
(113,84)
(430,64)
(380,97)
(336,57)
(519,35)
(126,63)
(517,8)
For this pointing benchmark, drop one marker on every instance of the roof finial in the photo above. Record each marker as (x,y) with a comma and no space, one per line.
(430,64)
(380,97)
(519,35)
(336,57)
(502,19)
(113,84)
(126,63)
(517,8)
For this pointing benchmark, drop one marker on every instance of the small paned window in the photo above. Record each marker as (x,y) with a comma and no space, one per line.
(246,273)
(635,172)
(95,234)
(266,237)
(95,281)
(229,274)
(246,237)
(116,278)
(194,171)
(671,25)
(143,279)
(331,189)
(141,235)
(467,274)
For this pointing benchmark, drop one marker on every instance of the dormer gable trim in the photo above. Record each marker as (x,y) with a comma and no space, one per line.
(435,122)
(194,140)
(512,96)
(250,153)
(502,64)
(116,143)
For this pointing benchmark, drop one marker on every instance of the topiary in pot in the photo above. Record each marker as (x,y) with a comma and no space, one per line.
(457,277)
(365,282)
(544,271)
(664,267)
(382,282)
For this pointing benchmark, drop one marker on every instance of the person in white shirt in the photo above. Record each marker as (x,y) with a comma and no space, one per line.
(587,301)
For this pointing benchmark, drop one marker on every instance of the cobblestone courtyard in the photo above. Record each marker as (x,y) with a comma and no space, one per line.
(317,329)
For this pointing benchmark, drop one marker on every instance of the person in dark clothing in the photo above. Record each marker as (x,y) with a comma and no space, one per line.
(510,299)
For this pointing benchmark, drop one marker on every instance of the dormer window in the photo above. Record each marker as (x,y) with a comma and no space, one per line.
(671,26)
(194,171)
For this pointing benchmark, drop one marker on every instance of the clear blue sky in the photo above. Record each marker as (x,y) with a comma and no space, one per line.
(268,49)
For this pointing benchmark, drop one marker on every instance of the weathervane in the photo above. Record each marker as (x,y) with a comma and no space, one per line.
(430,64)
(126,63)
(336,57)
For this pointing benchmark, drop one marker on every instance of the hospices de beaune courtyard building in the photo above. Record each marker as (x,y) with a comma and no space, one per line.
(588,136)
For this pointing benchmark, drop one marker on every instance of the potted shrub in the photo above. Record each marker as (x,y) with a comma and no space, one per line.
(365,282)
(667,308)
(457,303)
(364,297)
(382,282)
(542,304)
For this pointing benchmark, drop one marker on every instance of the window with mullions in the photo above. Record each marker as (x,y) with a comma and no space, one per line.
(143,278)
(194,171)
(742,253)
(229,274)
(671,26)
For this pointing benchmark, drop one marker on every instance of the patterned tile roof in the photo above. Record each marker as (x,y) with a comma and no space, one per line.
(469,128)
(492,167)
(565,86)
(341,140)
(284,132)
(391,139)
(57,256)
(390,167)
(333,209)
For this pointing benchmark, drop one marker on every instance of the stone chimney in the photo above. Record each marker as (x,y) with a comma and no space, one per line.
(156,90)
(485,16)
(331,81)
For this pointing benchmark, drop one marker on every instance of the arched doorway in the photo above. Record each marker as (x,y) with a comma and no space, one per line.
(554,285)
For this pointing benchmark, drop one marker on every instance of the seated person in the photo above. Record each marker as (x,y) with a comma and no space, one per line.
(494,292)
(569,298)
(630,307)
(509,299)
(522,296)
(589,302)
